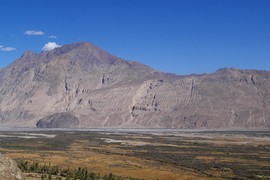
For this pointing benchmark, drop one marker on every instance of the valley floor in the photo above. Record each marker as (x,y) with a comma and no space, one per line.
(144,154)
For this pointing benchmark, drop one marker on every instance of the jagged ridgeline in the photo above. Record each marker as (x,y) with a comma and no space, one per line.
(80,85)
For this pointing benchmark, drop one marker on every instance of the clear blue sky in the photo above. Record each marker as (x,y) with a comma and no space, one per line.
(178,36)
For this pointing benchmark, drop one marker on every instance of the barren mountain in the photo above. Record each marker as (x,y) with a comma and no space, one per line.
(80,85)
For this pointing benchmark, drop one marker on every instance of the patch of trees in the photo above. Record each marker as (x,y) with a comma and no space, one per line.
(49,172)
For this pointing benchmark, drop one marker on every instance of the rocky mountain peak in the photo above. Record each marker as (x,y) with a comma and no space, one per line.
(82,52)
(71,47)
(27,54)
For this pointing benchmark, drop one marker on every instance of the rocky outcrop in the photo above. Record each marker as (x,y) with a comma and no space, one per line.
(80,85)
(59,120)
(9,169)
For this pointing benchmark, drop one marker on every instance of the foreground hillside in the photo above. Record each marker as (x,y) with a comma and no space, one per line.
(80,85)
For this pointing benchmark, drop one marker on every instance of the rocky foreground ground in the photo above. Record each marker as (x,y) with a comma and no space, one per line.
(9,169)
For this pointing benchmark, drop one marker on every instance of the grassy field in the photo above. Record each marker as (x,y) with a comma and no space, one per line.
(145,154)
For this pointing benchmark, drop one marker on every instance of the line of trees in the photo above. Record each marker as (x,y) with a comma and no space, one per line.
(49,172)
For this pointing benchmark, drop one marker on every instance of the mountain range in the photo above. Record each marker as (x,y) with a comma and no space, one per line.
(82,86)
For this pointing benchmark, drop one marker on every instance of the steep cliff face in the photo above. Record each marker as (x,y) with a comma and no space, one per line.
(9,169)
(100,90)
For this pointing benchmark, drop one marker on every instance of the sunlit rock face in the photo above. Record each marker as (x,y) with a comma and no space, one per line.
(9,169)
(80,85)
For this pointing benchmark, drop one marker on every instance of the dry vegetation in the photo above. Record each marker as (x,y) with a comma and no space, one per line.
(147,155)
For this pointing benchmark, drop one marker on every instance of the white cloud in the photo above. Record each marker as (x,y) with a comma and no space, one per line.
(53,37)
(50,46)
(7,49)
(34,33)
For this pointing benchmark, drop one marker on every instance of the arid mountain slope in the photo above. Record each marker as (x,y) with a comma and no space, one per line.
(80,85)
